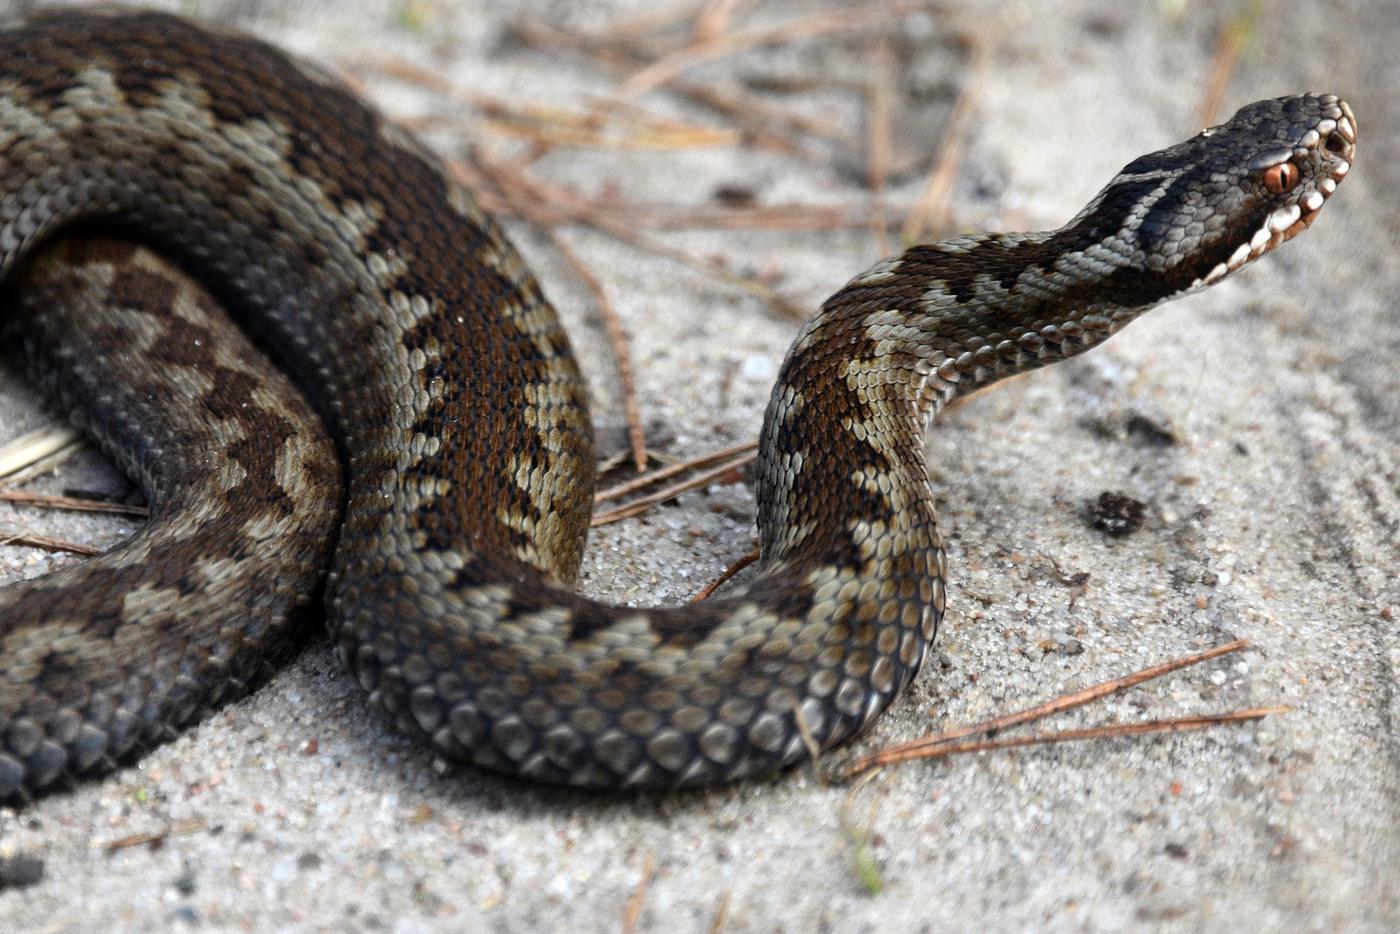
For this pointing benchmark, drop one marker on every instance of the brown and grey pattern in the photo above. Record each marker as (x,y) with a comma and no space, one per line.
(246,492)
(461,418)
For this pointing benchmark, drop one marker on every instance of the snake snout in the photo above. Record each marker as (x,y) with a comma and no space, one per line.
(1325,153)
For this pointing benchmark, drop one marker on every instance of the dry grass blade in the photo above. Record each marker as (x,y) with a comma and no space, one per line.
(881,120)
(553,126)
(550,125)
(621,348)
(714,18)
(629,50)
(672,470)
(403,70)
(1107,731)
(633,911)
(764,217)
(30,540)
(721,915)
(929,745)
(765,124)
(1231,39)
(29,449)
(830,22)
(931,211)
(176,829)
(76,504)
(502,188)
(608,210)
(636,28)
(665,494)
(729,572)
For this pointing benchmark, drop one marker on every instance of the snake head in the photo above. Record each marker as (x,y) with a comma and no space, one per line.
(1299,149)
(1191,214)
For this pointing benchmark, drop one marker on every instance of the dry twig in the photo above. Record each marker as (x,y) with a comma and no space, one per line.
(826,23)
(729,572)
(714,18)
(938,744)
(638,898)
(30,540)
(764,124)
(175,829)
(639,506)
(610,127)
(931,210)
(1228,43)
(76,504)
(882,95)
(622,351)
(672,470)
(721,915)
(1106,731)
(501,186)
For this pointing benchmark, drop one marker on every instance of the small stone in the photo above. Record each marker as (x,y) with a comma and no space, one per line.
(20,872)
(1117,513)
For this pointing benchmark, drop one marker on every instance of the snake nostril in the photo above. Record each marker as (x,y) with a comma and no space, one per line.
(1336,143)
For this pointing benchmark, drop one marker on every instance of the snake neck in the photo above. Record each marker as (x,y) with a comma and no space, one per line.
(904,339)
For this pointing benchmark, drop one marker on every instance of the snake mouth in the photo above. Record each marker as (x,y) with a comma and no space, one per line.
(1333,142)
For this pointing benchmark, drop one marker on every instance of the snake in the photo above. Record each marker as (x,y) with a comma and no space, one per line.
(155,173)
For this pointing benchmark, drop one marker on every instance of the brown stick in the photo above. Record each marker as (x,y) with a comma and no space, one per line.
(826,23)
(915,748)
(721,915)
(879,145)
(766,124)
(633,912)
(576,207)
(526,197)
(1107,731)
(617,338)
(713,19)
(729,572)
(761,120)
(931,211)
(176,829)
(30,540)
(47,501)
(671,470)
(640,506)
(1228,44)
(638,27)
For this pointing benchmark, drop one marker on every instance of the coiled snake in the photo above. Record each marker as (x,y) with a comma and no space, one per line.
(452,395)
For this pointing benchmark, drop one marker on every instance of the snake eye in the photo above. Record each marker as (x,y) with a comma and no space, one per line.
(1280,179)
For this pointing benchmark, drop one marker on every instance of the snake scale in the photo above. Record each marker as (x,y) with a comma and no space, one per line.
(460,418)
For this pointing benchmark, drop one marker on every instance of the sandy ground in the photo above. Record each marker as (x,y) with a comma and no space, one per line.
(1258,421)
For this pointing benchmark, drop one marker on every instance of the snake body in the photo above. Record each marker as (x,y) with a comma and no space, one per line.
(451,393)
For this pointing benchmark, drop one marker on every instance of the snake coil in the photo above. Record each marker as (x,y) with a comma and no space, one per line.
(460,417)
